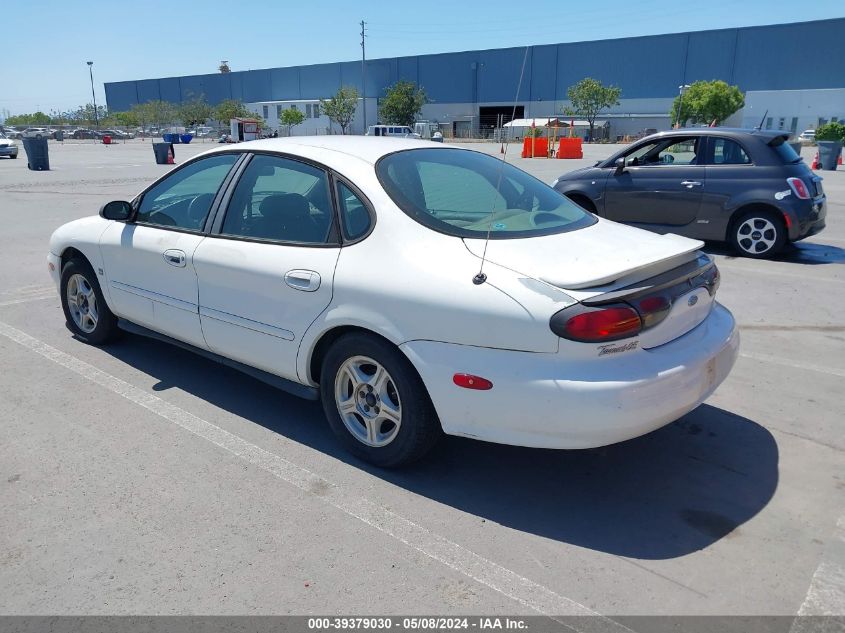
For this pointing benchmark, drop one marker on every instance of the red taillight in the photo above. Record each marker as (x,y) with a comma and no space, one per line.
(653,309)
(468,381)
(799,188)
(598,324)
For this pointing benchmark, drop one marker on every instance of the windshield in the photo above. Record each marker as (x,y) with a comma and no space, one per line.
(455,192)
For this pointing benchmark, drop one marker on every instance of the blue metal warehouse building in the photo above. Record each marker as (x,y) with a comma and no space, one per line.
(795,71)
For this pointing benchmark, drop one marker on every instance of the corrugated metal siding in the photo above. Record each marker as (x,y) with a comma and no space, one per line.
(780,57)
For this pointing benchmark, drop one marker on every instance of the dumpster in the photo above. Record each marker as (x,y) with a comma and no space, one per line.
(106,139)
(186,138)
(36,154)
(163,153)
(167,137)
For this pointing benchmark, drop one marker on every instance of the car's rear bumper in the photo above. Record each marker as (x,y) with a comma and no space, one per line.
(551,401)
(808,218)
(9,151)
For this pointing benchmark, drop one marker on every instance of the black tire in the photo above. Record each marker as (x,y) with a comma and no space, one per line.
(419,429)
(758,234)
(106,329)
(13,156)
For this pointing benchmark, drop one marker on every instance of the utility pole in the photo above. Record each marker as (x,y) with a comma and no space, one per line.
(364,74)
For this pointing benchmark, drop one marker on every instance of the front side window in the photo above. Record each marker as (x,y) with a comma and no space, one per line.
(728,152)
(183,199)
(280,199)
(465,193)
(668,151)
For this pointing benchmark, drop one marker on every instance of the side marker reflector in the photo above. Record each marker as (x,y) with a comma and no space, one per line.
(468,381)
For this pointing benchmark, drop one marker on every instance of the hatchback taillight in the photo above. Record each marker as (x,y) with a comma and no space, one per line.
(799,188)
(596,324)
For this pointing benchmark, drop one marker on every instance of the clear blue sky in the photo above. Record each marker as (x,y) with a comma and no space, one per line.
(46,43)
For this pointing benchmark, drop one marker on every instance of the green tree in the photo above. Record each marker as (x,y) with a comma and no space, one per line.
(126,119)
(232,109)
(707,102)
(589,97)
(833,131)
(291,117)
(341,107)
(402,103)
(195,111)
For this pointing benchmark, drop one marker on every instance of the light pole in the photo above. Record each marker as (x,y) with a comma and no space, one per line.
(680,100)
(93,94)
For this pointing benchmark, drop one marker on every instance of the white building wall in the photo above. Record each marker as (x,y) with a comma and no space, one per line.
(807,106)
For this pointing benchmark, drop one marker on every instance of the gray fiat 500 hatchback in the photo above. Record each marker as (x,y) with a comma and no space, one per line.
(745,187)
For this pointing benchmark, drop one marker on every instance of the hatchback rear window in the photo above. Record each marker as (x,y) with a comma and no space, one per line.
(784,150)
(467,194)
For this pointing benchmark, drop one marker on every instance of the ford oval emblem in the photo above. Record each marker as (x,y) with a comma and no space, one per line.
(692,300)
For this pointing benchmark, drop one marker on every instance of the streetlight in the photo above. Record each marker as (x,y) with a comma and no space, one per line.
(93,95)
(680,100)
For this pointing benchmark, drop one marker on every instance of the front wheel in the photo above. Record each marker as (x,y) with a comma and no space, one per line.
(758,234)
(375,401)
(86,312)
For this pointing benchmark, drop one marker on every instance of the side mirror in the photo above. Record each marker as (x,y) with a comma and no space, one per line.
(119,210)
(620,165)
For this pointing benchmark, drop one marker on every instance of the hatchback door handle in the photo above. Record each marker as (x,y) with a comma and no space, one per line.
(689,184)
(175,257)
(305,280)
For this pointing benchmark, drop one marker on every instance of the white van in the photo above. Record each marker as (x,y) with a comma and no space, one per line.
(390,130)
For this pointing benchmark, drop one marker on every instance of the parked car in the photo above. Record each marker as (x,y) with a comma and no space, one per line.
(745,187)
(83,134)
(12,133)
(807,135)
(348,269)
(36,132)
(8,147)
(115,134)
(390,130)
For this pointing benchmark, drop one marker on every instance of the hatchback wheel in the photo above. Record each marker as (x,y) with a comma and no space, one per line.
(375,402)
(758,234)
(86,312)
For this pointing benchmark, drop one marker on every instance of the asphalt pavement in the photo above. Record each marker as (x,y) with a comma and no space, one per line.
(141,479)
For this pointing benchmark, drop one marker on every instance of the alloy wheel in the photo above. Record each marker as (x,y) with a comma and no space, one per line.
(368,401)
(756,235)
(82,302)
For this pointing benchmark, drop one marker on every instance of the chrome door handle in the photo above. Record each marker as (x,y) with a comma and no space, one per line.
(689,184)
(305,280)
(175,257)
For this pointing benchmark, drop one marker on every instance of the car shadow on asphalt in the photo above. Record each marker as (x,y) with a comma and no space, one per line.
(674,491)
(795,253)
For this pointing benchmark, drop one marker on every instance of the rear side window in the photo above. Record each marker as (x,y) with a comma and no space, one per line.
(280,199)
(728,152)
(353,213)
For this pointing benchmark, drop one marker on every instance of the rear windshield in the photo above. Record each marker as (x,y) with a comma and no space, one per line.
(784,150)
(467,194)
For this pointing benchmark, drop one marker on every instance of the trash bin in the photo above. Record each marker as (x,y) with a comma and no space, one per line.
(36,154)
(60,135)
(106,139)
(161,151)
(186,138)
(167,137)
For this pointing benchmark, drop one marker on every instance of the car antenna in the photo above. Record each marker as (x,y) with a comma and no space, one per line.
(480,278)
(760,124)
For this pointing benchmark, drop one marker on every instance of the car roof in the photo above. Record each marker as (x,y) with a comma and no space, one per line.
(723,131)
(367,148)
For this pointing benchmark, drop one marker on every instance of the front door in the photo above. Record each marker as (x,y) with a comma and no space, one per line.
(267,271)
(149,262)
(662,184)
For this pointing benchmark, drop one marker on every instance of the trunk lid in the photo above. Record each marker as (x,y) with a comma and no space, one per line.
(605,253)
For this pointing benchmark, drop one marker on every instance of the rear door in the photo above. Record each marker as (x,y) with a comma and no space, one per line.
(266,271)
(661,185)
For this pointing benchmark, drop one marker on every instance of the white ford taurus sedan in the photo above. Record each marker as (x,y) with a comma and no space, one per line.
(359,271)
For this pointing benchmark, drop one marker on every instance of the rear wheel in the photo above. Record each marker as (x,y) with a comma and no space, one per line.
(86,312)
(375,401)
(758,234)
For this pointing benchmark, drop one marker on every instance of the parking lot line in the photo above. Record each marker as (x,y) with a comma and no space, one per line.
(27,299)
(826,595)
(765,358)
(502,580)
